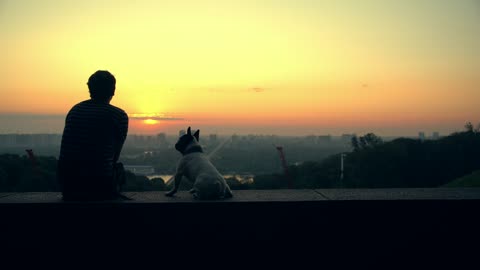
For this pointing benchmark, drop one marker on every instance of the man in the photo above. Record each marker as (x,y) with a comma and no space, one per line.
(91,143)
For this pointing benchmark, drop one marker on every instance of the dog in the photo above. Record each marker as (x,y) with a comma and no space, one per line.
(208,183)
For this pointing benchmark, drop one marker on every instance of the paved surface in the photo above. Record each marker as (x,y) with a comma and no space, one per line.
(274,195)
(402,194)
(4,194)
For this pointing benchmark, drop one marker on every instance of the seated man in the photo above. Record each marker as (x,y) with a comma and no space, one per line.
(91,144)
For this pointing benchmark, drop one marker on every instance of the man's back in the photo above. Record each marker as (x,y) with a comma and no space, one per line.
(91,143)
(92,140)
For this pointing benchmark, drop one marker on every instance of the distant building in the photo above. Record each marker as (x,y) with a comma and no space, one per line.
(138,140)
(7,140)
(41,139)
(322,139)
(213,138)
(348,137)
(421,135)
(37,140)
(435,135)
(129,140)
(161,138)
(24,140)
(56,139)
(311,139)
(150,141)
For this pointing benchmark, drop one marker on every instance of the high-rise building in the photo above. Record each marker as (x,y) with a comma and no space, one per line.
(7,140)
(161,138)
(24,140)
(311,139)
(421,135)
(213,138)
(150,141)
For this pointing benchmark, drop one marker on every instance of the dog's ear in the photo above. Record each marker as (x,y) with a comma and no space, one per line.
(197,135)
(189,131)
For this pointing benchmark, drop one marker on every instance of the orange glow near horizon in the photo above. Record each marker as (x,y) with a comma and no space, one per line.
(150,122)
(305,66)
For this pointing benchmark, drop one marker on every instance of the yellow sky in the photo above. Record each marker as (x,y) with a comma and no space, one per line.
(312,64)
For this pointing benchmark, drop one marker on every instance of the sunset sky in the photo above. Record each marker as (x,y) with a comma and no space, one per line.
(285,67)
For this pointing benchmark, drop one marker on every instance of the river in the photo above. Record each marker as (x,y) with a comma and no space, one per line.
(241,177)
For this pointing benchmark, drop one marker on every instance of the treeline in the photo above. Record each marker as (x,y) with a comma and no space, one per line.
(20,173)
(401,163)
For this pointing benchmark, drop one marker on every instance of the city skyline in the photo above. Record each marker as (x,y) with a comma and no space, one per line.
(55,138)
(54,124)
(163,140)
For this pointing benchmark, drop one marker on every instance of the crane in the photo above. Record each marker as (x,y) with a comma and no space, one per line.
(285,166)
(33,159)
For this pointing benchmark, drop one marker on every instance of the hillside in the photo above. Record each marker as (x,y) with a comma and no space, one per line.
(471,180)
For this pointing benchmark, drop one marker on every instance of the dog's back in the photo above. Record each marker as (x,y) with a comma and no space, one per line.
(208,183)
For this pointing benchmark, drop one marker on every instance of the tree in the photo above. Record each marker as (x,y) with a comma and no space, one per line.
(355,144)
(3,180)
(373,140)
(469,127)
(369,140)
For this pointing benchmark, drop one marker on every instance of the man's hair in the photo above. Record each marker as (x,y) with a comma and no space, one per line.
(101,85)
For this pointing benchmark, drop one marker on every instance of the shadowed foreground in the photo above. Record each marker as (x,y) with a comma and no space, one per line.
(344,222)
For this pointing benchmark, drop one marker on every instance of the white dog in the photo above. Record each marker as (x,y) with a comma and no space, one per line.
(208,183)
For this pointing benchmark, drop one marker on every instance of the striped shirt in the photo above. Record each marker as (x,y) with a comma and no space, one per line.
(91,143)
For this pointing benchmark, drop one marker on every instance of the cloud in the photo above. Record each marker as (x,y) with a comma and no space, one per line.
(215,90)
(156,117)
(257,89)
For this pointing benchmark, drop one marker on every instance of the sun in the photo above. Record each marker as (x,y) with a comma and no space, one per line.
(150,122)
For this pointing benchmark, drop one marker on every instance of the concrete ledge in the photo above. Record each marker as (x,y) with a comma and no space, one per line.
(285,195)
(180,197)
(402,194)
(353,221)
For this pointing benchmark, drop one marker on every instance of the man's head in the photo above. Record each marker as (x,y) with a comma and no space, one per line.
(101,85)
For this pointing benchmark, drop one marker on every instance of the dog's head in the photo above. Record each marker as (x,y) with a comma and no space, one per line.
(186,140)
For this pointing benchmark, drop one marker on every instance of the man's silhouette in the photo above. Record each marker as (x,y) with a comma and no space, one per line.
(91,143)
